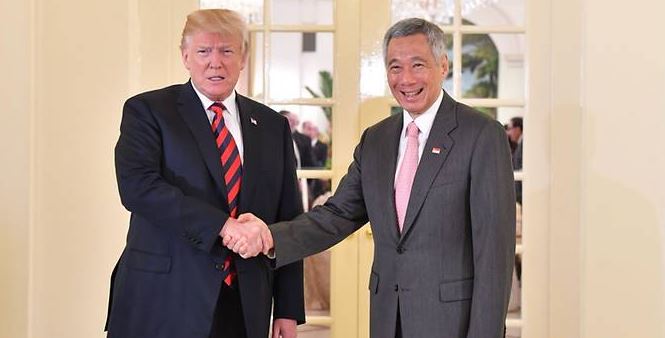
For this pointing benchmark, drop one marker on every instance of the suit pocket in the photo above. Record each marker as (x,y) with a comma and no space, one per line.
(374,282)
(456,291)
(149,262)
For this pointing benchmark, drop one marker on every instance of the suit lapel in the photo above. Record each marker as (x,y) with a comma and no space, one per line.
(431,162)
(191,111)
(388,163)
(251,152)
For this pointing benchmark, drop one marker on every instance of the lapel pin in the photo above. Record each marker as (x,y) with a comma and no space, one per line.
(253,121)
(436,150)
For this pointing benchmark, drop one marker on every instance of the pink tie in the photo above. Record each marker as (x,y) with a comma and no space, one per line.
(406,173)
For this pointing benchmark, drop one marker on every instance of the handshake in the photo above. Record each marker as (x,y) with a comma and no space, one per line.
(247,236)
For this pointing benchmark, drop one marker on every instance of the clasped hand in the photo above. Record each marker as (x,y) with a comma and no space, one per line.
(247,235)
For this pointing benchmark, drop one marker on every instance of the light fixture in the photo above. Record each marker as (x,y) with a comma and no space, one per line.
(437,11)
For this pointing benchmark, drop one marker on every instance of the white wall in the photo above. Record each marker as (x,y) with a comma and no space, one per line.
(69,67)
(16,52)
(593,165)
(81,81)
(623,181)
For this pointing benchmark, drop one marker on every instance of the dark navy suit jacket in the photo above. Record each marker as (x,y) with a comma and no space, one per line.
(168,278)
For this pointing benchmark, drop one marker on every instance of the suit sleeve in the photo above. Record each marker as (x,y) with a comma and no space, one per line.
(326,225)
(145,192)
(492,204)
(288,289)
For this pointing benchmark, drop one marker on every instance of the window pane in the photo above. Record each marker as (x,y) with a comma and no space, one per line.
(302,12)
(317,269)
(251,10)
(448,81)
(493,66)
(489,111)
(504,114)
(494,12)
(295,73)
(312,134)
(438,11)
(251,78)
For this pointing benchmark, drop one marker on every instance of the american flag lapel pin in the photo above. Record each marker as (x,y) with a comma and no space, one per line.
(253,121)
(436,150)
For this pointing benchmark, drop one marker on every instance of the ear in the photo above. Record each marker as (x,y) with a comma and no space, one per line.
(444,65)
(245,55)
(184,55)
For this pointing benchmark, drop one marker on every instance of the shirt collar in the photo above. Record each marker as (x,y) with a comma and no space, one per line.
(229,102)
(425,120)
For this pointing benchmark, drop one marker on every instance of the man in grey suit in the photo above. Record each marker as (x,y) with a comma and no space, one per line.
(436,185)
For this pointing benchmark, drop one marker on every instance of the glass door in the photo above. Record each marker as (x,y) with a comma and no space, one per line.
(302,64)
(486,49)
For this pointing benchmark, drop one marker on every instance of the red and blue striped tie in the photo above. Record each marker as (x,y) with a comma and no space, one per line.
(232,170)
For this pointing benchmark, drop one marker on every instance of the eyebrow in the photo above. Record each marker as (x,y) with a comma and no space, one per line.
(412,59)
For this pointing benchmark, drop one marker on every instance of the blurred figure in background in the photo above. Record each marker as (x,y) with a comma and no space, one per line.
(515,131)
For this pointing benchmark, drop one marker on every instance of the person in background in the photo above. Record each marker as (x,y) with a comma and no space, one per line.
(317,187)
(319,149)
(303,144)
(515,131)
(513,145)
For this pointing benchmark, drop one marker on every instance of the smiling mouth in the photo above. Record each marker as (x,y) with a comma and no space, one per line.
(411,94)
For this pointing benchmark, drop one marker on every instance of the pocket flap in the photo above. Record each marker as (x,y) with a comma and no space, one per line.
(457,290)
(150,262)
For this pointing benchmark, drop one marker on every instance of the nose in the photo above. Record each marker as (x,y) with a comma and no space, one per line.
(407,76)
(215,60)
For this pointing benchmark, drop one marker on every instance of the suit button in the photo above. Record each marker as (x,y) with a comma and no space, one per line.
(396,287)
(219,266)
(400,250)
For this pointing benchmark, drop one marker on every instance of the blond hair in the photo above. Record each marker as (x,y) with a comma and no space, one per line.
(222,21)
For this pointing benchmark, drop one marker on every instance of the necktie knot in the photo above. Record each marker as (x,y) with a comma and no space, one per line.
(412,130)
(217,108)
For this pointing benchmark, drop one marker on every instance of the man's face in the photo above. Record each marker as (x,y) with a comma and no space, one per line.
(214,62)
(293,121)
(414,75)
(310,130)
(514,133)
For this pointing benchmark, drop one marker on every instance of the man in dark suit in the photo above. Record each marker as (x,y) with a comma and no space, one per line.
(319,149)
(190,158)
(436,185)
(303,143)
(317,187)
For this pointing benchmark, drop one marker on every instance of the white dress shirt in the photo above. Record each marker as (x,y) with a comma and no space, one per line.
(231,117)
(424,123)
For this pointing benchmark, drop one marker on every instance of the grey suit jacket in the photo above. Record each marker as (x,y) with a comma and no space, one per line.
(449,271)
